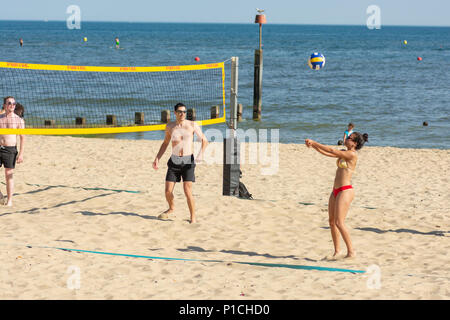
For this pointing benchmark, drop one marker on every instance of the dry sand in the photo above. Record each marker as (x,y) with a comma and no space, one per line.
(399,222)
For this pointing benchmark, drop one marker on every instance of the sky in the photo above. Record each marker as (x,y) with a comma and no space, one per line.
(334,12)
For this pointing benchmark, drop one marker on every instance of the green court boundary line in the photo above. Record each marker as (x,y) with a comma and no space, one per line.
(85,188)
(261,264)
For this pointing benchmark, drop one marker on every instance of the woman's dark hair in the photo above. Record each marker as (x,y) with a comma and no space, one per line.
(19,110)
(179,104)
(360,139)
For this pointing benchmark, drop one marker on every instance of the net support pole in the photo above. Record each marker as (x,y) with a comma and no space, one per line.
(231,161)
(234,92)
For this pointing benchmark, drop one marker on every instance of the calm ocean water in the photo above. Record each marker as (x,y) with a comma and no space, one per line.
(371,78)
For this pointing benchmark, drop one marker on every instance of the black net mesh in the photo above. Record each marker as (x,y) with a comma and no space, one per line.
(55,99)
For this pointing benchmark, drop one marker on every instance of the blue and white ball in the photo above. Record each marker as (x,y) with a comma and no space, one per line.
(316,61)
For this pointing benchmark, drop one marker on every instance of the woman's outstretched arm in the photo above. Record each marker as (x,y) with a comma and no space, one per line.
(328,154)
(328,151)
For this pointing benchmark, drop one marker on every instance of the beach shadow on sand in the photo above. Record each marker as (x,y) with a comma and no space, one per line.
(37,210)
(43,188)
(29,211)
(36,191)
(246,253)
(49,187)
(30,192)
(90,213)
(438,233)
(77,201)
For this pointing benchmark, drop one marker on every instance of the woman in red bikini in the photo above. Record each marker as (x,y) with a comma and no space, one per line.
(343,194)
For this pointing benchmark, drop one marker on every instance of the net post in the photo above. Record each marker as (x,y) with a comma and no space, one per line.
(165,116)
(191,114)
(231,161)
(111,120)
(234,93)
(214,112)
(239,112)
(80,121)
(139,118)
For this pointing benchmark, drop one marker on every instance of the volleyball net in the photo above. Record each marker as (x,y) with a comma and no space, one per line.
(73,100)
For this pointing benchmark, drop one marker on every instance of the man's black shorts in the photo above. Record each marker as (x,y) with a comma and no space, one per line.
(181,167)
(8,156)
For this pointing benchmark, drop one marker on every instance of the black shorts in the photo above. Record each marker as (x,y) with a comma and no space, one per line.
(8,156)
(181,167)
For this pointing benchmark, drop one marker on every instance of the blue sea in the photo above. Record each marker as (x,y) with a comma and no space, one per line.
(371,78)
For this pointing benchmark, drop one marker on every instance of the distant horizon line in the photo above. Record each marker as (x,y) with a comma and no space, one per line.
(242,23)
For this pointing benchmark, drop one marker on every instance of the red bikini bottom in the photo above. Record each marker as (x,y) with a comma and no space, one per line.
(336,191)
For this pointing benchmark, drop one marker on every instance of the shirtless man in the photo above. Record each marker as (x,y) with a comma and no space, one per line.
(181,163)
(8,145)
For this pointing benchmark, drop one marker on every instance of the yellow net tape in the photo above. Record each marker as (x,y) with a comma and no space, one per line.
(105,129)
(30,66)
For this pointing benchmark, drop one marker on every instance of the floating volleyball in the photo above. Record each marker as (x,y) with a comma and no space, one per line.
(85,39)
(316,61)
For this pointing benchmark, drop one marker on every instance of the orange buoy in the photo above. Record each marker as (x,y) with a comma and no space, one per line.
(260,18)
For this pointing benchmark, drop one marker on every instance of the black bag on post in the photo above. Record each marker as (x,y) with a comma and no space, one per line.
(243,192)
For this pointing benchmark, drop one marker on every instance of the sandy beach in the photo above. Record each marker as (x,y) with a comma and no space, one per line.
(102,195)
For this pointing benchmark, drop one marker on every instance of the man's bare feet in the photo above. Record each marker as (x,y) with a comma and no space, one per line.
(193,220)
(165,214)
